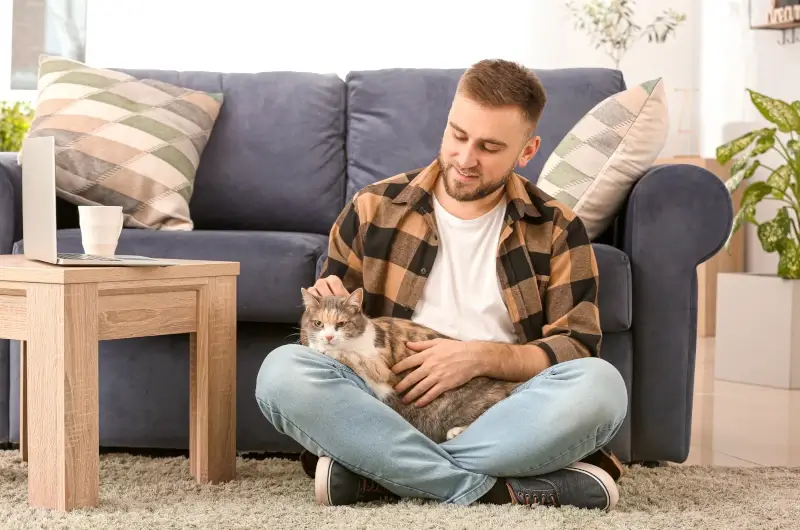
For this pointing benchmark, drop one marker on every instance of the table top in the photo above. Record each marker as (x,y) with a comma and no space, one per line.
(17,268)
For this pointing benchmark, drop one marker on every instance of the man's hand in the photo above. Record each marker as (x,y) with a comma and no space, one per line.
(442,365)
(328,286)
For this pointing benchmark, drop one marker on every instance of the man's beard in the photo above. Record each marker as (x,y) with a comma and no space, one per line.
(465,193)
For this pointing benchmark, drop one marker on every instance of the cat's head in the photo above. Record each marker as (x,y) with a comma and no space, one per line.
(331,322)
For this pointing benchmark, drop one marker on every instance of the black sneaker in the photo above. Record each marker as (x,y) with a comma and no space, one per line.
(336,485)
(581,485)
(309,462)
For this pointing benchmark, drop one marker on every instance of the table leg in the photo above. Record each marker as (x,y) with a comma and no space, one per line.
(212,387)
(23,401)
(63,426)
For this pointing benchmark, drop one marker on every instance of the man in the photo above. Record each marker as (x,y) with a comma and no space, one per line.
(469,248)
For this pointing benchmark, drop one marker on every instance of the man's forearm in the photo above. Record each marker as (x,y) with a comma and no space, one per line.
(509,362)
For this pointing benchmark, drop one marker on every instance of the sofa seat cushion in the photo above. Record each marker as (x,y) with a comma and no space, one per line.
(273,265)
(615,288)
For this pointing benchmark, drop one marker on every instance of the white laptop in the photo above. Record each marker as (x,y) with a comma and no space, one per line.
(39,212)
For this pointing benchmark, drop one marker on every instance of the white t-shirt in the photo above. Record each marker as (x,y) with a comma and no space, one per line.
(462,296)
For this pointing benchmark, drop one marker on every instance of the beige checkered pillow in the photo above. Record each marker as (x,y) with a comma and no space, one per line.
(122,141)
(597,163)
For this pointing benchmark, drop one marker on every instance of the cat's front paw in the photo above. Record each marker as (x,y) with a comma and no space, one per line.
(455,431)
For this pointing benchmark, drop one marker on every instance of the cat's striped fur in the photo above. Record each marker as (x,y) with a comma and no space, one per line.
(370,347)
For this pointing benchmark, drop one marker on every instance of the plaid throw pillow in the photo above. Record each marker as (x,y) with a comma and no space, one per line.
(594,167)
(124,142)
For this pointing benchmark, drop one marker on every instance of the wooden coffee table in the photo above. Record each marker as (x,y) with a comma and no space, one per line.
(60,314)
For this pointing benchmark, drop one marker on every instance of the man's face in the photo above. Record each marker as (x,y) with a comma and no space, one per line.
(481,148)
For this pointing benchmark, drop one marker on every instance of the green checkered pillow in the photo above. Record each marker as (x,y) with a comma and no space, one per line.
(597,163)
(122,141)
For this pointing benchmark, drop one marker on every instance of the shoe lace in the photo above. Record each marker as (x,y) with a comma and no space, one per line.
(370,486)
(367,486)
(528,499)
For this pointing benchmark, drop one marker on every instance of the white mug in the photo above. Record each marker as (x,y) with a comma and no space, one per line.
(101,227)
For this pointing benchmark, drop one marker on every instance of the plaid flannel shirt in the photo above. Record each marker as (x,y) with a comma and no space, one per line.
(385,240)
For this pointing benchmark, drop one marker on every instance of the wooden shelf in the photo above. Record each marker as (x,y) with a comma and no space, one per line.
(788,28)
(781,26)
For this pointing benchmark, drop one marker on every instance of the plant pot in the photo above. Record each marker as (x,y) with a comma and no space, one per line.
(758,330)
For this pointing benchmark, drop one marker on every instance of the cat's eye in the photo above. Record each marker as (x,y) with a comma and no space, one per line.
(317,323)
(340,325)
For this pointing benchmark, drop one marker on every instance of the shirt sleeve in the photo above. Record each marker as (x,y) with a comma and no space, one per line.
(345,248)
(572,317)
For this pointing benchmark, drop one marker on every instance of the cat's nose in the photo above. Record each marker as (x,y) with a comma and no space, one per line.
(329,337)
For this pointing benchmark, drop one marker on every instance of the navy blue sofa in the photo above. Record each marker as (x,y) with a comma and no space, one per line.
(286,153)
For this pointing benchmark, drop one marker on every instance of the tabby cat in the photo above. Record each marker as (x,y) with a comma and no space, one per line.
(337,327)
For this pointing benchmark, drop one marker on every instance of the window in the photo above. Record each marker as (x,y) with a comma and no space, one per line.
(53,27)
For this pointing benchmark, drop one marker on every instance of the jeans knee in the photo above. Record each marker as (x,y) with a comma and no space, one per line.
(279,373)
(609,394)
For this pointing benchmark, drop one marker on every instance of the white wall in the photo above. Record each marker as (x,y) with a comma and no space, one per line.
(316,35)
(324,36)
(677,60)
(5,49)
(736,58)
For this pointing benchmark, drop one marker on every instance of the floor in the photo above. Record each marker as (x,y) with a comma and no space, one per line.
(736,424)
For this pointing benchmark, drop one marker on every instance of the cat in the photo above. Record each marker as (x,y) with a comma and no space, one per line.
(337,327)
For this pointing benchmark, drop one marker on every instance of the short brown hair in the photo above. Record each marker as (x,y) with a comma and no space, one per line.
(498,82)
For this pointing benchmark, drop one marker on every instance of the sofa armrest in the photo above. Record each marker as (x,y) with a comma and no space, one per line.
(10,202)
(677,217)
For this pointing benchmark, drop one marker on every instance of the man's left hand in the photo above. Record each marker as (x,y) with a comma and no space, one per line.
(442,364)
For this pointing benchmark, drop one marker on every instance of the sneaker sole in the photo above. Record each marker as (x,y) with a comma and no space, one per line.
(322,480)
(605,480)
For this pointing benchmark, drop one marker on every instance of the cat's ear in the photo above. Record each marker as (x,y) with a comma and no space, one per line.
(309,300)
(355,299)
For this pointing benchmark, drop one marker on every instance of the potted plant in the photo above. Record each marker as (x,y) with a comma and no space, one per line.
(758,319)
(15,120)
(610,24)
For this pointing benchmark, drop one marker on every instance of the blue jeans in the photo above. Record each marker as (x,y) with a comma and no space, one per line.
(563,414)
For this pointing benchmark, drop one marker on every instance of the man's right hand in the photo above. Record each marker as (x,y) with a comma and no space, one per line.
(329,286)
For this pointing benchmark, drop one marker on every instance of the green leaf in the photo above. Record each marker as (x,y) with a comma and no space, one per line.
(738,165)
(773,233)
(779,112)
(779,180)
(794,147)
(752,169)
(733,183)
(755,192)
(745,215)
(727,151)
(764,143)
(15,121)
(789,262)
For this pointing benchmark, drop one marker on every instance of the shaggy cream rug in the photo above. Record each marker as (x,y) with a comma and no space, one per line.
(150,493)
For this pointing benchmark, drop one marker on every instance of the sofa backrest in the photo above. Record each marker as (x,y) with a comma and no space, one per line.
(396,117)
(276,156)
(289,148)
